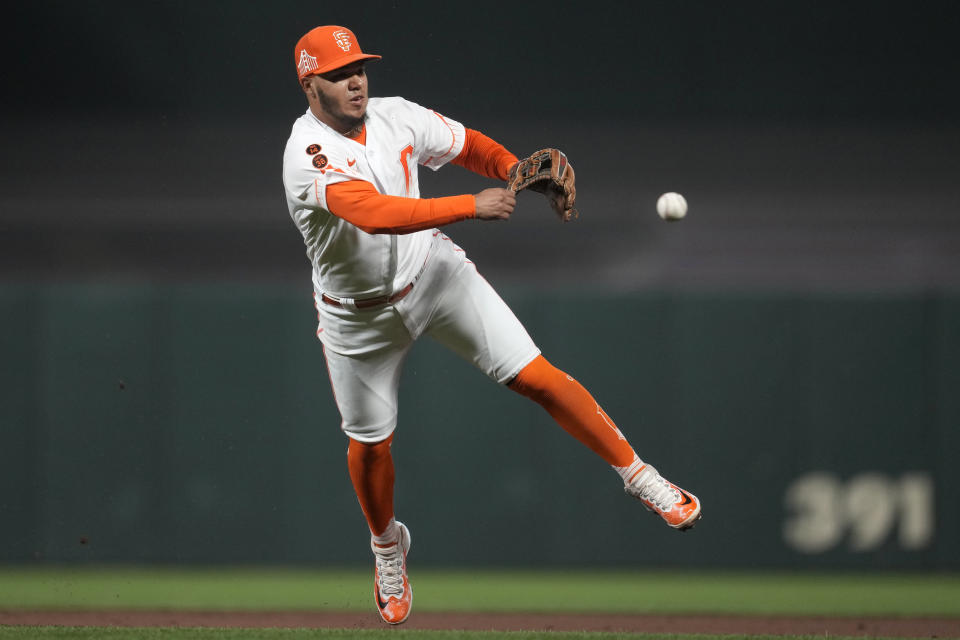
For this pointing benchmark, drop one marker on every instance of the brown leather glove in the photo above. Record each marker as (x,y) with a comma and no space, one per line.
(548,172)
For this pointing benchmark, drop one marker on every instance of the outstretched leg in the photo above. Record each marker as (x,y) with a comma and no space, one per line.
(574,409)
(472,320)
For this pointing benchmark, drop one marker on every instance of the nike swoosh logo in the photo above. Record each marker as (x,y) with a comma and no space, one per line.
(350,163)
(686,498)
(376,587)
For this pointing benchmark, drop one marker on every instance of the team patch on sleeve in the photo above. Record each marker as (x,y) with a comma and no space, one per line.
(313,149)
(320,161)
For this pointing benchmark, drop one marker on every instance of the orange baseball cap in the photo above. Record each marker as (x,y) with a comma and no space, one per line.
(327,48)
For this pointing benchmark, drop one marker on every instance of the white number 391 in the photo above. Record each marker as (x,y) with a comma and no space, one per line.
(865,510)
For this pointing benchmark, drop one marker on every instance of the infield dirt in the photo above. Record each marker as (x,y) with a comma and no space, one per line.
(742,625)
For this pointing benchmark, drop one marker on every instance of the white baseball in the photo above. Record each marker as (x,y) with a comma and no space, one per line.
(671,206)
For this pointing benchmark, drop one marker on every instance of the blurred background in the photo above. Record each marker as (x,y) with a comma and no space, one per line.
(788,352)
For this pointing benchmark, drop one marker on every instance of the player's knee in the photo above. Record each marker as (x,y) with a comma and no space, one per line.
(369,434)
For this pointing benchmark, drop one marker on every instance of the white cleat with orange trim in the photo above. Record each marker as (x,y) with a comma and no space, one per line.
(679,508)
(391,588)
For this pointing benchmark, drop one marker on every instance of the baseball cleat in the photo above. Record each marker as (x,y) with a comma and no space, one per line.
(679,508)
(391,589)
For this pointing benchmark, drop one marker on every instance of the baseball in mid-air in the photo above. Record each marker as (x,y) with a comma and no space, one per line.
(671,206)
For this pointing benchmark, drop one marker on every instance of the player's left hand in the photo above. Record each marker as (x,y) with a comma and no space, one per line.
(548,172)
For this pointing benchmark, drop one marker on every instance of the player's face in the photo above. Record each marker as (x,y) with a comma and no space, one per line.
(342,94)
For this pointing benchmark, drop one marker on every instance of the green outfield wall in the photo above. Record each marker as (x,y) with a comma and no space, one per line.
(195,424)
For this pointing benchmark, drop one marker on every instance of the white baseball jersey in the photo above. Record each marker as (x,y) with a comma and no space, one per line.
(400,135)
(365,348)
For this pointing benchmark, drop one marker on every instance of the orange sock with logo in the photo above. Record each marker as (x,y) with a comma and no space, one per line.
(574,409)
(372,474)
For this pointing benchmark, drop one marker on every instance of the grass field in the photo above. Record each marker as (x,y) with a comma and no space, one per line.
(595,592)
(587,592)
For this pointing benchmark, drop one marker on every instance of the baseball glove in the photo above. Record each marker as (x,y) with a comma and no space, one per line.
(548,172)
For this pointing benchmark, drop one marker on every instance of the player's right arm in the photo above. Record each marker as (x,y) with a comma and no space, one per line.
(360,204)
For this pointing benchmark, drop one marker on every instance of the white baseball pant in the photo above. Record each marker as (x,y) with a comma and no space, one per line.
(365,348)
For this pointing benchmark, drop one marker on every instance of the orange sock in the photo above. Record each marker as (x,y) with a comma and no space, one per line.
(371,471)
(572,406)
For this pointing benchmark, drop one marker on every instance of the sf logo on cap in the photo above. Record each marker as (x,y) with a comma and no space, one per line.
(343,39)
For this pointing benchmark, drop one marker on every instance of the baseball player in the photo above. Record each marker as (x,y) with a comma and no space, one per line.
(383,275)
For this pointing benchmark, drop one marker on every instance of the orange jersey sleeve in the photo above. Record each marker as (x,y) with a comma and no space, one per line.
(360,204)
(485,156)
